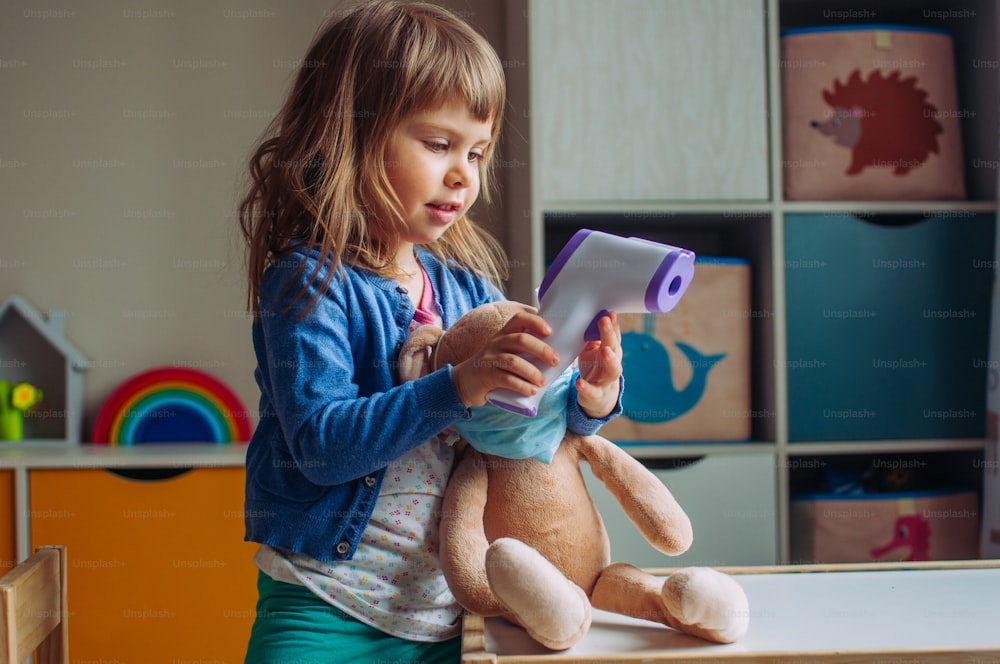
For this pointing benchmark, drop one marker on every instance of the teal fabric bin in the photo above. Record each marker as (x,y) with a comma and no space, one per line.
(887,326)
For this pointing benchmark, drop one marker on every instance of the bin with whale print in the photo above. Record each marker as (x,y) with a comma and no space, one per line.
(687,372)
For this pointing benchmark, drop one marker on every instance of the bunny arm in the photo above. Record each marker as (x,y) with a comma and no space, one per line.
(416,354)
(642,496)
(463,538)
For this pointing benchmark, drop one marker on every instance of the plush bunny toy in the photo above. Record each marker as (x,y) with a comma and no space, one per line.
(521,537)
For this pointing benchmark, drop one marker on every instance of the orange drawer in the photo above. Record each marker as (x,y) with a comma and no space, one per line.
(158,569)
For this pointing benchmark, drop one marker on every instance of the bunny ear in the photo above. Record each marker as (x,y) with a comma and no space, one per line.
(415,355)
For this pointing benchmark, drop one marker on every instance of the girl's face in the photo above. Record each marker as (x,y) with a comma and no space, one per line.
(433,161)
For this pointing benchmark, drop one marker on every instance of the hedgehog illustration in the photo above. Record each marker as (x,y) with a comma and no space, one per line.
(885,121)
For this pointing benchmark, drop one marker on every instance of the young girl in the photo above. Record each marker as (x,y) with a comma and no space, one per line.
(357,231)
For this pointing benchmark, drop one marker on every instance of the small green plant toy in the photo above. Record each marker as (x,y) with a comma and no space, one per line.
(15,400)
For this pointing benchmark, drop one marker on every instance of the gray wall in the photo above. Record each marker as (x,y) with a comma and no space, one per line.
(125,133)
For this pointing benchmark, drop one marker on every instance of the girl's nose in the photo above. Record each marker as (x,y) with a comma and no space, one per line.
(460,173)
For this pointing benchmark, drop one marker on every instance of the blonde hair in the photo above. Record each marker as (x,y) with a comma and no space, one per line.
(318,178)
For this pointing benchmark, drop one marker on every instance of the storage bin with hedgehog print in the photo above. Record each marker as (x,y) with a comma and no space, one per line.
(870,113)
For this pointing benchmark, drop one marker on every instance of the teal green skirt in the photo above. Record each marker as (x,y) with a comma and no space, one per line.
(294,626)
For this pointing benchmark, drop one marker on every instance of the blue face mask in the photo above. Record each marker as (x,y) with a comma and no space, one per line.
(493,430)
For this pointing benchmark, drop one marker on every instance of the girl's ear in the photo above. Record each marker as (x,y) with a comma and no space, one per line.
(415,357)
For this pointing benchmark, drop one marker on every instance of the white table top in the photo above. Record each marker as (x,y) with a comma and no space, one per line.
(844,611)
(87,455)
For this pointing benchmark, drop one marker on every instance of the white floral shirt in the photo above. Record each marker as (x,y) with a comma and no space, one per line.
(394,582)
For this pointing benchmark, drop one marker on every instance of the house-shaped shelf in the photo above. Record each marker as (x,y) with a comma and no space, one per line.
(34,349)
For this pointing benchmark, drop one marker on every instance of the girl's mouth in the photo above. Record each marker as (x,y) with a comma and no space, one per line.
(442,213)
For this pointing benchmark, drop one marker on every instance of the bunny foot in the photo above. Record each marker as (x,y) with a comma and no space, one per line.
(551,608)
(706,603)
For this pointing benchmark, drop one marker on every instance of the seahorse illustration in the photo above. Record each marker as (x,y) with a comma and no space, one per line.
(651,396)
(911,531)
(885,121)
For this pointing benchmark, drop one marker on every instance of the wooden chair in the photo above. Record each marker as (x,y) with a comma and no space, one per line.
(33,609)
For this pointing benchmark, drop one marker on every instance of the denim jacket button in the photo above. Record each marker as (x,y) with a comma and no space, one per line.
(370,481)
(343,548)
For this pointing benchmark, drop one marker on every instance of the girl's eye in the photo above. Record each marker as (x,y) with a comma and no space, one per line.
(475,156)
(436,146)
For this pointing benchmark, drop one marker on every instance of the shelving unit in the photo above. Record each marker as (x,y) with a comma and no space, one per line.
(975,28)
(726,216)
(128,516)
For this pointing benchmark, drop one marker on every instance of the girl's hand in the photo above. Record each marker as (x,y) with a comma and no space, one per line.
(500,365)
(600,369)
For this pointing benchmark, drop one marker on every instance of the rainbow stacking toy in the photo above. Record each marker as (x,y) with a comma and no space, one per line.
(172,405)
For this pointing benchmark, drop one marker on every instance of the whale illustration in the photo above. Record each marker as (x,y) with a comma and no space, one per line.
(650,396)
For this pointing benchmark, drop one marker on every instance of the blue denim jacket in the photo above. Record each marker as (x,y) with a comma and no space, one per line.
(332,414)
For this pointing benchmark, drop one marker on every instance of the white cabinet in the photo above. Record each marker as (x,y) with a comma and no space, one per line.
(729,499)
(649,99)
